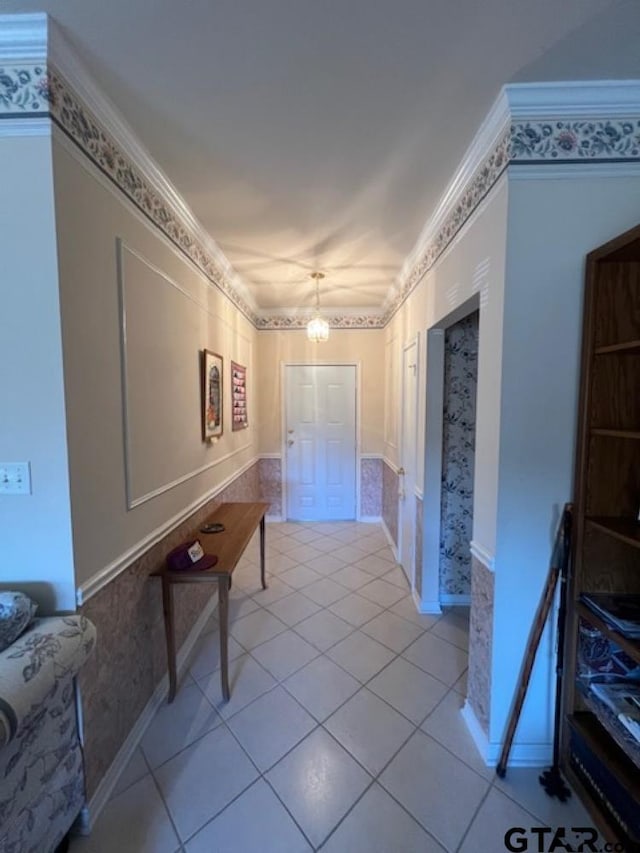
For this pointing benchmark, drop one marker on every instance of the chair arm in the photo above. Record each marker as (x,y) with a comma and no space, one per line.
(33,667)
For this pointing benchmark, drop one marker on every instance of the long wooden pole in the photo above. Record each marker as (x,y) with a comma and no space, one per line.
(560,554)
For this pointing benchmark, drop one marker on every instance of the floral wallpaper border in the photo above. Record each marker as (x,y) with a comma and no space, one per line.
(29,89)
(277,322)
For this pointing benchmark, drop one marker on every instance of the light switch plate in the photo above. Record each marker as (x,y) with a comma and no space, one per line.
(15,478)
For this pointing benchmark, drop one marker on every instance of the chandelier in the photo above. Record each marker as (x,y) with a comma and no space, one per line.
(317,327)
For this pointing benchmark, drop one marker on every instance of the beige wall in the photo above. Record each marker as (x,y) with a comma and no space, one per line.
(457,280)
(363,346)
(174,313)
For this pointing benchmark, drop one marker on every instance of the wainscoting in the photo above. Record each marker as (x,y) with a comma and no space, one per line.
(130,657)
(480,642)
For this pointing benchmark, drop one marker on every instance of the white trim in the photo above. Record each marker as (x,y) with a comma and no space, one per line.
(25,127)
(392,544)
(395,468)
(521,755)
(103,576)
(573,98)
(409,458)
(482,554)
(24,37)
(269,456)
(567,171)
(480,737)
(183,479)
(370,519)
(372,456)
(451,600)
(80,80)
(482,143)
(274,519)
(325,311)
(81,158)
(425,606)
(90,813)
(418,492)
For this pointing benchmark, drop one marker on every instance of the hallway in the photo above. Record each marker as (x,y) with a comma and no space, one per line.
(343,732)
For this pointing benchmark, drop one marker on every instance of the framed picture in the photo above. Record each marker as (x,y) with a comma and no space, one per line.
(212,408)
(238,396)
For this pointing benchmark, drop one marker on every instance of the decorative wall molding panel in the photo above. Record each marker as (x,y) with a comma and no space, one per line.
(105,575)
(544,125)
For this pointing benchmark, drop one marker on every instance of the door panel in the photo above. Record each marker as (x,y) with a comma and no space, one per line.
(408,460)
(320,411)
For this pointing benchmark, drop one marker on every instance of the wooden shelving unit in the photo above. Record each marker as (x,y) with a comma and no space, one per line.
(599,757)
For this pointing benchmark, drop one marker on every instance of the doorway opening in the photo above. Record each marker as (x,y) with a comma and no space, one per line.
(450,430)
(458,459)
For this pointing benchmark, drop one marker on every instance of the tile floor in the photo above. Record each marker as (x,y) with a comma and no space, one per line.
(343,732)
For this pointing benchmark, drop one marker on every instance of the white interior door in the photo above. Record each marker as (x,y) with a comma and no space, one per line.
(408,459)
(320,441)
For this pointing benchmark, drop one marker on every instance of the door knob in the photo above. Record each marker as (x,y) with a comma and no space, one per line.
(290,442)
(290,431)
(401,472)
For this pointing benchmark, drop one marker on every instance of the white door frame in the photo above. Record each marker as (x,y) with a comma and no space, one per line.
(415,341)
(283,423)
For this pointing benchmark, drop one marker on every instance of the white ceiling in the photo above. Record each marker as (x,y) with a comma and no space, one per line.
(319,135)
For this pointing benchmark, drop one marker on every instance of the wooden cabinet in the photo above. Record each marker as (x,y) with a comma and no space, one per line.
(599,756)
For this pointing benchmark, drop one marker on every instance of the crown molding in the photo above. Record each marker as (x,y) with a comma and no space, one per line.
(575,127)
(24,37)
(573,99)
(583,127)
(486,139)
(17,126)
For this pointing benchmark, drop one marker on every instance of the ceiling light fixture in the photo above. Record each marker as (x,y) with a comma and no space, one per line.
(317,327)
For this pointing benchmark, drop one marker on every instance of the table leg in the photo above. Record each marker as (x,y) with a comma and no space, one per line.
(223,605)
(262,576)
(169,627)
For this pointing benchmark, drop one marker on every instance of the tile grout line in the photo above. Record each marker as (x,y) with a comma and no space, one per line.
(224,722)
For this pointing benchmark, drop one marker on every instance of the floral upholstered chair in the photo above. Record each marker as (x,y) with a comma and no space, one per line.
(41,768)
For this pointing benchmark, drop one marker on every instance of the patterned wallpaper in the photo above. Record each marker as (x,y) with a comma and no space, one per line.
(31,89)
(371,487)
(461,378)
(480,642)
(130,657)
(390,500)
(270,475)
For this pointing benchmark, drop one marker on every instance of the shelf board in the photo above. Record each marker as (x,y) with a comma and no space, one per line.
(628,346)
(600,727)
(617,433)
(625,529)
(631,647)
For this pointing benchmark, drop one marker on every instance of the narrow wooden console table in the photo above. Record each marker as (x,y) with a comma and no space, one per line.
(240,521)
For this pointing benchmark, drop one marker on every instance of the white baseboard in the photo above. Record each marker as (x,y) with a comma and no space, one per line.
(273,519)
(370,519)
(90,813)
(451,600)
(480,737)
(521,755)
(426,606)
(394,547)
